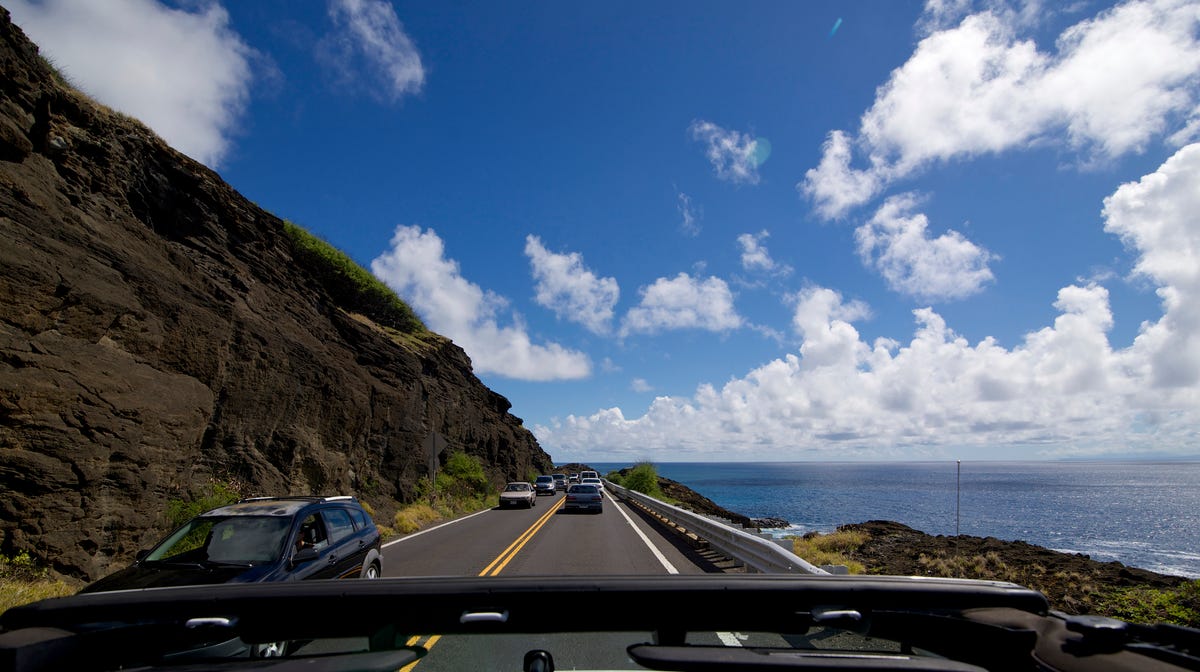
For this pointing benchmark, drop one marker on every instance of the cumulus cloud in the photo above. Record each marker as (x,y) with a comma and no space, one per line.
(185,74)
(567,287)
(1113,83)
(735,156)
(371,38)
(640,385)
(417,268)
(683,302)
(1062,385)
(1157,216)
(755,256)
(896,242)
(833,186)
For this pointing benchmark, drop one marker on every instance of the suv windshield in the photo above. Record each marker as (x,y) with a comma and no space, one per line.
(232,539)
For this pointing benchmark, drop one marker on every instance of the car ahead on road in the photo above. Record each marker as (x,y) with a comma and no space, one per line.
(588,474)
(596,482)
(518,493)
(584,497)
(259,540)
(572,479)
(544,485)
(560,481)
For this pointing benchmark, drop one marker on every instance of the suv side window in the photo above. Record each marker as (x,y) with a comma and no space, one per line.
(339,524)
(312,533)
(360,518)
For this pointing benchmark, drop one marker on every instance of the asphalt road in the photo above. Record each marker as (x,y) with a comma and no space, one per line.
(541,541)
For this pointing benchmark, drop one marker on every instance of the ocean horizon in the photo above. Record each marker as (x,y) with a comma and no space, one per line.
(1140,513)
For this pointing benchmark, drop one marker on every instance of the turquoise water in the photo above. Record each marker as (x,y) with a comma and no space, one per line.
(1143,514)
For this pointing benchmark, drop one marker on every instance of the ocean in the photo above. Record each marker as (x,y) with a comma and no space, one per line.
(1143,514)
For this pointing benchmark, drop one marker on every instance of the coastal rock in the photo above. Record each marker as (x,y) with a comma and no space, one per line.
(1069,580)
(159,333)
(769,523)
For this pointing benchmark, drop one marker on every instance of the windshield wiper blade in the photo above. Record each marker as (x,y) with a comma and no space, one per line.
(211,564)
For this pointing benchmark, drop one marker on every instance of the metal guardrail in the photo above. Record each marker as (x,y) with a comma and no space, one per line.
(757,554)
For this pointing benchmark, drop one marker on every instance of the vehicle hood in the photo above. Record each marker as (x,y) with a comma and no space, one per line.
(155,575)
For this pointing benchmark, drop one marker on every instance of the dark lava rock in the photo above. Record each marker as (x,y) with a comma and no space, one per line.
(159,332)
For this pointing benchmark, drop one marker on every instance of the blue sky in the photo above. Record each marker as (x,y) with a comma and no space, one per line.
(728,231)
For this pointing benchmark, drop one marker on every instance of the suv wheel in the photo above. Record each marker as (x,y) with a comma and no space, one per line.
(372,571)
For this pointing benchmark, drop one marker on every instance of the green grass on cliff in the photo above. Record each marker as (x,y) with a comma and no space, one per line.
(22,582)
(353,287)
(830,549)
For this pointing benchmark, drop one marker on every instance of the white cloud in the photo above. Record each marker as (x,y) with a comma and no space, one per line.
(833,186)
(896,242)
(823,320)
(370,30)
(691,215)
(755,256)
(1063,387)
(567,287)
(184,74)
(1115,82)
(640,385)
(1158,217)
(416,267)
(683,302)
(735,156)
(943,14)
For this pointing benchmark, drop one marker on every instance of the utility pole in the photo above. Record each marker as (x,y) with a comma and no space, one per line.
(958,498)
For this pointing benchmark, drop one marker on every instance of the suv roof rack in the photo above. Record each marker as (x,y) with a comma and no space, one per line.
(309,498)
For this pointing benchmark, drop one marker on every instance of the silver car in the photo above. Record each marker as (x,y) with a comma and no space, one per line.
(584,497)
(518,493)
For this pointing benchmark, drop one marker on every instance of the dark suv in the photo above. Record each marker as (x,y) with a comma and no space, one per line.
(253,541)
(260,539)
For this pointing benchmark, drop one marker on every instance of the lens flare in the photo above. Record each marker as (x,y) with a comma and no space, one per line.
(762,150)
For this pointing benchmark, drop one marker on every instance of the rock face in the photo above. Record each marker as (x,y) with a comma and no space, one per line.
(158,333)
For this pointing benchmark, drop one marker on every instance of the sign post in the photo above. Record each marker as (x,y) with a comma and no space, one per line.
(434,444)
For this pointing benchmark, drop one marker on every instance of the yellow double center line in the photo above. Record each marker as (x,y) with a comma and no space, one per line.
(511,552)
(493,569)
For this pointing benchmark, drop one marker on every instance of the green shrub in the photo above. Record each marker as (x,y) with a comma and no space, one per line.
(1175,606)
(643,477)
(179,511)
(351,286)
(465,474)
(21,567)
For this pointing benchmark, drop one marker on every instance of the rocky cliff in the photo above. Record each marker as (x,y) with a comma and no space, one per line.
(159,332)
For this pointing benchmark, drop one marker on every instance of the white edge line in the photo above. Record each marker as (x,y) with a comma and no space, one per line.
(658,554)
(435,527)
